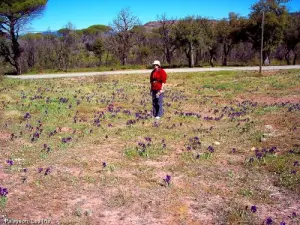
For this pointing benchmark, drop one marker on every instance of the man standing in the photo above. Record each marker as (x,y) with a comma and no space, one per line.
(158,79)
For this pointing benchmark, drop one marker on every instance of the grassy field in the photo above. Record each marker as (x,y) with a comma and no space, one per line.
(87,150)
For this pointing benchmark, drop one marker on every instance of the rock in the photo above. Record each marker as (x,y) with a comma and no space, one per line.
(217,143)
(265,135)
(262,139)
(269,127)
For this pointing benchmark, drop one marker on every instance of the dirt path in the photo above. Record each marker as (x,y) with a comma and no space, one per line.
(179,70)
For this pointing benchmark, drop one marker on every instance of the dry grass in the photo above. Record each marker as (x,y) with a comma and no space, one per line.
(217,187)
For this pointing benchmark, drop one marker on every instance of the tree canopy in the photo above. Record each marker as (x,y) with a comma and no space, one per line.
(14,15)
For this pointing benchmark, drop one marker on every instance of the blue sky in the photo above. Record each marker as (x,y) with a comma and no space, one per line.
(84,13)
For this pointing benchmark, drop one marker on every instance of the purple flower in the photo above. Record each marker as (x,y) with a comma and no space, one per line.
(282,223)
(48,170)
(25,170)
(168,179)
(269,221)
(27,115)
(10,162)
(234,150)
(296,163)
(40,170)
(198,156)
(294,215)
(104,164)
(253,209)
(293,172)
(3,192)
(210,149)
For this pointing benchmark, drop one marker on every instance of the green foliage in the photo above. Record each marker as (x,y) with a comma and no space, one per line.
(96,30)
(275,21)
(3,201)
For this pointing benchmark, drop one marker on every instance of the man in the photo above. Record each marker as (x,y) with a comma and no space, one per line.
(158,79)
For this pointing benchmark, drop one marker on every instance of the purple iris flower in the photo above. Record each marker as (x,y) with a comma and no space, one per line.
(27,115)
(269,221)
(3,192)
(210,149)
(253,209)
(48,170)
(168,179)
(10,162)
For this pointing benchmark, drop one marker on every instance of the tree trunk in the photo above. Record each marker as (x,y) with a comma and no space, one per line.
(211,60)
(168,56)
(124,60)
(225,52)
(191,55)
(295,57)
(224,63)
(266,58)
(287,57)
(15,49)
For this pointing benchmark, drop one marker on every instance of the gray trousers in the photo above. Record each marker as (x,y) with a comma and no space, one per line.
(157,104)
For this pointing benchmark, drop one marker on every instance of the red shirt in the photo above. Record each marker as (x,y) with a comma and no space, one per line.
(157,77)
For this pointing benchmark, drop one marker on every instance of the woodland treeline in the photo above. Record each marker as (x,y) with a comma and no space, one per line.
(190,41)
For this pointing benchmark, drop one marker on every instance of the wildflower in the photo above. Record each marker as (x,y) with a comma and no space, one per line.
(234,150)
(282,223)
(294,215)
(211,149)
(168,179)
(3,192)
(269,221)
(48,170)
(296,163)
(40,170)
(10,162)
(253,209)
(198,156)
(104,164)
(27,115)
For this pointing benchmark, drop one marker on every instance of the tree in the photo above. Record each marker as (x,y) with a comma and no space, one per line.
(68,46)
(188,32)
(275,22)
(97,48)
(229,33)
(31,48)
(292,37)
(166,41)
(122,34)
(14,15)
